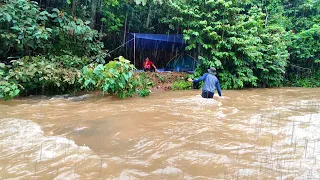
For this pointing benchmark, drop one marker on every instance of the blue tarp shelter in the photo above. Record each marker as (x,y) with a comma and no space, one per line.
(155,41)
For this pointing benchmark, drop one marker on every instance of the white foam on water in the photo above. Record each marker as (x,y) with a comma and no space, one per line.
(220,114)
(67,176)
(224,160)
(200,157)
(71,97)
(80,128)
(157,155)
(80,98)
(140,163)
(197,100)
(144,143)
(132,174)
(145,109)
(198,107)
(24,144)
(246,172)
(167,171)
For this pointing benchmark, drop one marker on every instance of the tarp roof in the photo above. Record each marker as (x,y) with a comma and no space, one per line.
(156,41)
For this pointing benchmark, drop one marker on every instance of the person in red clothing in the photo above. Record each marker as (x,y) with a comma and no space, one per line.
(149,66)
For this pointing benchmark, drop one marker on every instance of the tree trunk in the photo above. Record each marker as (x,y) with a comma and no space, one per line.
(267,15)
(199,50)
(148,18)
(101,32)
(266,20)
(125,29)
(73,7)
(93,13)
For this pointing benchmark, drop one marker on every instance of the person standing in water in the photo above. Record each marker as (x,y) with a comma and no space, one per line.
(211,83)
(149,66)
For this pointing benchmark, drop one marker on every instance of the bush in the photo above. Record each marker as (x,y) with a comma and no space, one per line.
(71,61)
(35,74)
(162,79)
(116,77)
(181,85)
(146,80)
(53,46)
(143,92)
(313,81)
(8,90)
(27,30)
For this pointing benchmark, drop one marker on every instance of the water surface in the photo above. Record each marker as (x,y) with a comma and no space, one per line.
(250,134)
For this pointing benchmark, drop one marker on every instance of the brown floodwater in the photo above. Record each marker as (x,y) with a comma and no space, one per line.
(249,134)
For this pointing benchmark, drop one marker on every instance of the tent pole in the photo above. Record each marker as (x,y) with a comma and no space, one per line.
(134,49)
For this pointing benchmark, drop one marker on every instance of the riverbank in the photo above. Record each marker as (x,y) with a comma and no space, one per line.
(163,81)
(157,82)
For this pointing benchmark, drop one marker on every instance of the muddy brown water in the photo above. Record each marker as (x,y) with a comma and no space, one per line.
(249,134)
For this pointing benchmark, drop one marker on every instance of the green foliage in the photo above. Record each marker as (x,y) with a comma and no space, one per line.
(53,46)
(311,81)
(75,37)
(307,82)
(22,27)
(143,92)
(38,73)
(271,69)
(27,30)
(300,20)
(8,90)
(162,79)
(144,2)
(69,61)
(251,43)
(234,40)
(304,47)
(146,80)
(116,77)
(303,14)
(113,16)
(181,85)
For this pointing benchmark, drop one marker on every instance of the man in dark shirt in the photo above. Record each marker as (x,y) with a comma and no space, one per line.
(211,83)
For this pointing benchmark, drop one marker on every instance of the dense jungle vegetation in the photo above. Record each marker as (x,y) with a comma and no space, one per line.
(61,46)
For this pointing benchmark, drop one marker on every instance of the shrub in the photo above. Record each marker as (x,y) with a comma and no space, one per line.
(27,30)
(8,90)
(181,85)
(116,77)
(34,74)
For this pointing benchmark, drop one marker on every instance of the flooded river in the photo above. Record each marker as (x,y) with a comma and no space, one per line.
(250,134)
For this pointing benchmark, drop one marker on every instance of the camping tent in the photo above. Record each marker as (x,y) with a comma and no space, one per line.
(183,63)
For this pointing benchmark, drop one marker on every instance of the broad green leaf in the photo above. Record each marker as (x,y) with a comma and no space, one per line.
(2,65)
